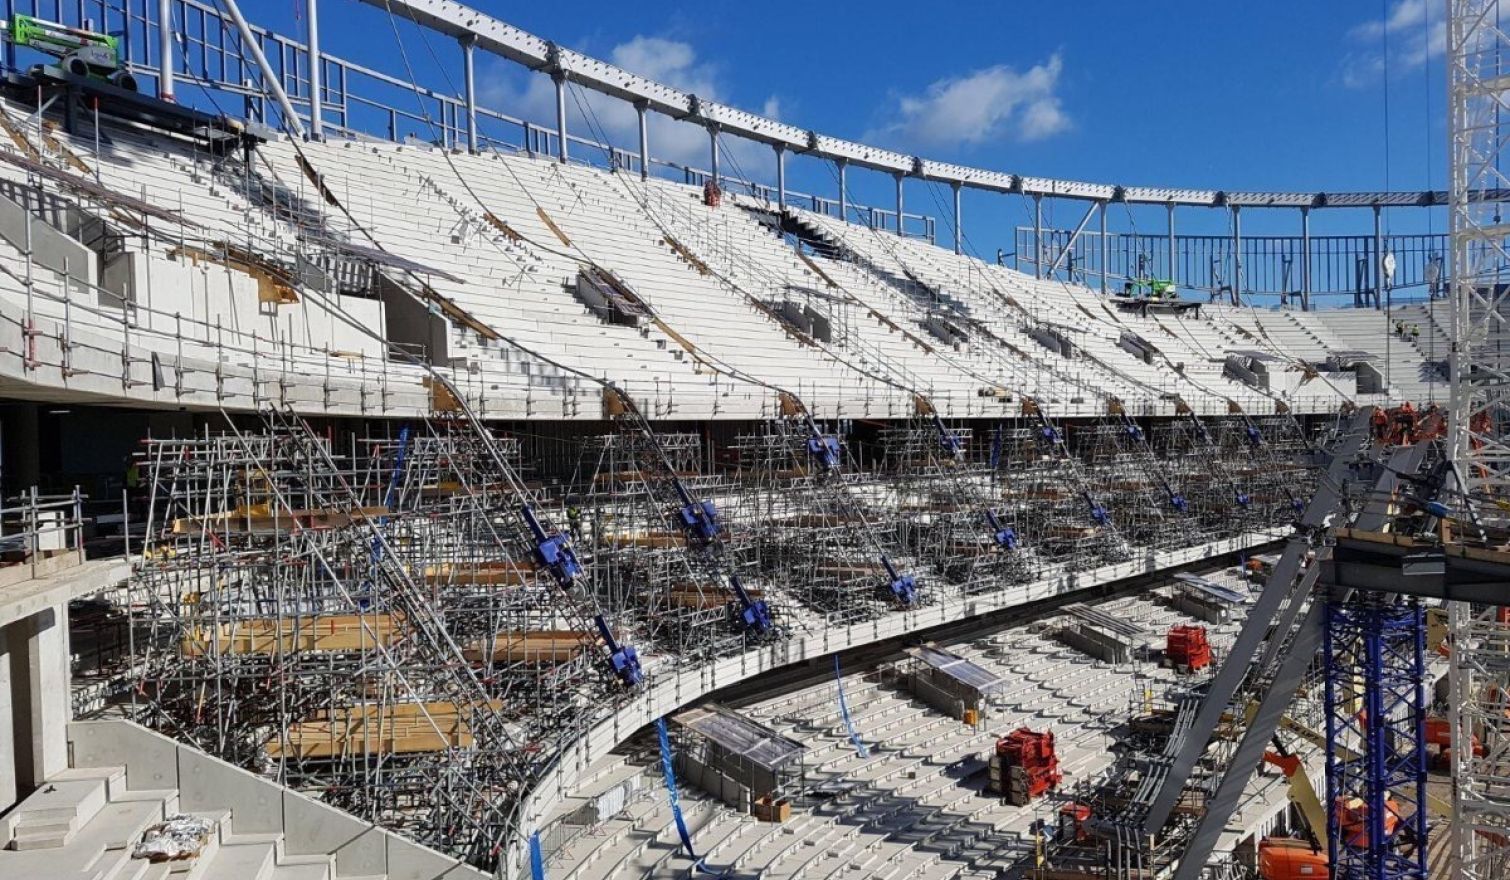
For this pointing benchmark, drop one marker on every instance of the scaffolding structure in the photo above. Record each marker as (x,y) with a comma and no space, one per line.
(814,526)
(638,552)
(373,623)
(1376,738)
(1478,442)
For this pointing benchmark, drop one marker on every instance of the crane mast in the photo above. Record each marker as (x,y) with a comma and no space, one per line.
(1478,90)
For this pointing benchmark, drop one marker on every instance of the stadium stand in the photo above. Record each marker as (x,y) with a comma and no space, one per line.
(464,467)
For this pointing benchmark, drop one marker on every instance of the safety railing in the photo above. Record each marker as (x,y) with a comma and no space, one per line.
(37,527)
(1272,269)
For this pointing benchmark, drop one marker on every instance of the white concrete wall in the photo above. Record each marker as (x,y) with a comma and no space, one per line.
(34,692)
(8,763)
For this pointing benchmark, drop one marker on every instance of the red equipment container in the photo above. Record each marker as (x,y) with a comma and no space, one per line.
(1187,648)
(1032,756)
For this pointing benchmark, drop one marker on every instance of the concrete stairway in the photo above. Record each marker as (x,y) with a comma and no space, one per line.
(86,820)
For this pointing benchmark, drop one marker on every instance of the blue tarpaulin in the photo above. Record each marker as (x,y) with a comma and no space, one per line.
(668,772)
(849,723)
(537,859)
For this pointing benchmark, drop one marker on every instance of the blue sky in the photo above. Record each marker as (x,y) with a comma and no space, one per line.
(1281,94)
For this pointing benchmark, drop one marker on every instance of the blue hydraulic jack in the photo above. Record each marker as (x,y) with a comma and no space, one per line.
(947,439)
(1098,511)
(825,450)
(1004,535)
(624,659)
(699,519)
(552,551)
(754,614)
(903,587)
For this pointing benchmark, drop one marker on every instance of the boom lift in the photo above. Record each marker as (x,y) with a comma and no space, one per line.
(80,52)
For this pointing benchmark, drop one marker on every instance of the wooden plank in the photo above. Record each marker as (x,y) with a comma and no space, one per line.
(379,729)
(258,518)
(647,540)
(486,574)
(551,225)
(272,636)
(543,647)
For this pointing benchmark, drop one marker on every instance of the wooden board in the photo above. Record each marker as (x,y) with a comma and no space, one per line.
(273,636)
(257,519)
(488,574)
(543,647)
(392,729)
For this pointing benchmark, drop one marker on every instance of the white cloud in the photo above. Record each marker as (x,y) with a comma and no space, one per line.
(990,104)
(592,115)
(1414,36)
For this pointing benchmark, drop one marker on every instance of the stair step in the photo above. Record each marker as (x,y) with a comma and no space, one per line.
(113,777)
(65,800)
(299,872)
(168,797)
(249,861)
(50,836)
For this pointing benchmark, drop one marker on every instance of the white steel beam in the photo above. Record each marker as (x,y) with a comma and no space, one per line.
(536,53)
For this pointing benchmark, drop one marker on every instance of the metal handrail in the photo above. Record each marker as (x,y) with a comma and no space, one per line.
(42,516)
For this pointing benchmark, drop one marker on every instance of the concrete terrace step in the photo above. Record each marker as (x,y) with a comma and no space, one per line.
(248,861)
(55,812)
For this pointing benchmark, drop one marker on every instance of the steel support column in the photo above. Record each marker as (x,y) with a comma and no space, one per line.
(317,74)
(1037,236)
(1105,250)
(713,152)
(640,108)
(1237,255)
(781,177)
(469,83)
(559,78)
(1305,259)
(901,203)
(164,50)
(959,221)
(1174,262)
(843,190)
(1378,261)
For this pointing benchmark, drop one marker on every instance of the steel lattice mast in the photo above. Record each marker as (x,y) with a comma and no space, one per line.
(1478,123)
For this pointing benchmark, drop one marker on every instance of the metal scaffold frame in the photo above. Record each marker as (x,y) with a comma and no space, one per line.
(1375,645)
(377,626)
(1478,415)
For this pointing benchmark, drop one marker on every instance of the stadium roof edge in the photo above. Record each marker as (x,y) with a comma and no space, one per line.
(514,44)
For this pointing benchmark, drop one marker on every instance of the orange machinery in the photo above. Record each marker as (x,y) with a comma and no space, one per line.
(1286,858)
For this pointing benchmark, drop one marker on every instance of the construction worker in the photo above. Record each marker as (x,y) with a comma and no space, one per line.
(1405,422)
(1399,328)
(1415,332)
(574,520)
(1381,423)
